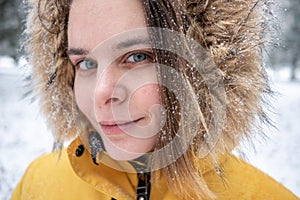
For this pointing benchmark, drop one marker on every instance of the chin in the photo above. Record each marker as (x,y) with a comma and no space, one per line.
(123,155)
(121,152)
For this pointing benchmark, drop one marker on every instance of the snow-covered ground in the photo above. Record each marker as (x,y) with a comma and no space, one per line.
(24,136)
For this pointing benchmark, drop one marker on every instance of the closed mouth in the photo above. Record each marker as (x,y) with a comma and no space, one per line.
(118,123)
(117,127)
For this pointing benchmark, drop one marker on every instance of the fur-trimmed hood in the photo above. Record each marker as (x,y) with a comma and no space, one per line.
(231,31)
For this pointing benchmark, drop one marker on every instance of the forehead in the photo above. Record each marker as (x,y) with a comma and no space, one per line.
(93,21)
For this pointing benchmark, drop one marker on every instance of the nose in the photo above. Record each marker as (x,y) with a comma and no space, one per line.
(108,91)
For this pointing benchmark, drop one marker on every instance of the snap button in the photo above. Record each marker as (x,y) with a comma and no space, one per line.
(79,150)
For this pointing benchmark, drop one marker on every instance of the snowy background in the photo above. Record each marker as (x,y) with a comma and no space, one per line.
(24,136)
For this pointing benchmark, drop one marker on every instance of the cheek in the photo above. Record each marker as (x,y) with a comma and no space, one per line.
(83,95)
(145,97)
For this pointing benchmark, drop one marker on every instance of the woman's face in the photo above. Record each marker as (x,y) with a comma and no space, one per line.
(116,85)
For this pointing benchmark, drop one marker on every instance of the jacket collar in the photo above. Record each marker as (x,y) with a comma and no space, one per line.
(109,180)
(109,176)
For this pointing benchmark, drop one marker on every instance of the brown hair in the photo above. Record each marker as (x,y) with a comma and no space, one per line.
(231,32)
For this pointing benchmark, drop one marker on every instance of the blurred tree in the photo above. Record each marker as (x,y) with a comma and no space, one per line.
(292,36)
(11,23)
(289,55)
(288,38)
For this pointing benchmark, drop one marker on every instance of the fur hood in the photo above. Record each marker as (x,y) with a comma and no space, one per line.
(231,31)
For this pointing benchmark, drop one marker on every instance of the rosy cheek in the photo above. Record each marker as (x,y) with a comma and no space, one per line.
(144,98)
(82,95)
(151,90)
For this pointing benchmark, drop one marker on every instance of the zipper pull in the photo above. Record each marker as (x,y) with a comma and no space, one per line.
(144,186)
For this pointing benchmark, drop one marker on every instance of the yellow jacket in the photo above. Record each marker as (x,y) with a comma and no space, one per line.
(77,177)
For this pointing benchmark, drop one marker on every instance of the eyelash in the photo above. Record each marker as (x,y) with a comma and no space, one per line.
(128,55)
(124,59)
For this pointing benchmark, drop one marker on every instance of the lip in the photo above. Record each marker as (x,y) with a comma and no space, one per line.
(117,127)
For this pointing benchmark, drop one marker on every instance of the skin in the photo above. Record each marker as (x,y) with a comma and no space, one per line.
(116,90)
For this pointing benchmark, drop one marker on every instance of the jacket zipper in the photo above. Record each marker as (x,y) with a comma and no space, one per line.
(143,187)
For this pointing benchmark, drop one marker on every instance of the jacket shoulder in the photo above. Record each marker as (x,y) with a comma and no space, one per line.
(240,180)
(51,177)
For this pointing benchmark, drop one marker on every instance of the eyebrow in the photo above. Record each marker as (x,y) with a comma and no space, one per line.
(132,42)
(119,46)
(77,51)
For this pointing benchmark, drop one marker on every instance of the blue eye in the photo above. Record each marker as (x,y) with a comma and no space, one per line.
(87,64)
(137,57)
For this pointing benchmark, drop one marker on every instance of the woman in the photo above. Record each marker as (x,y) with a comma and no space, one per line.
(153,94)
